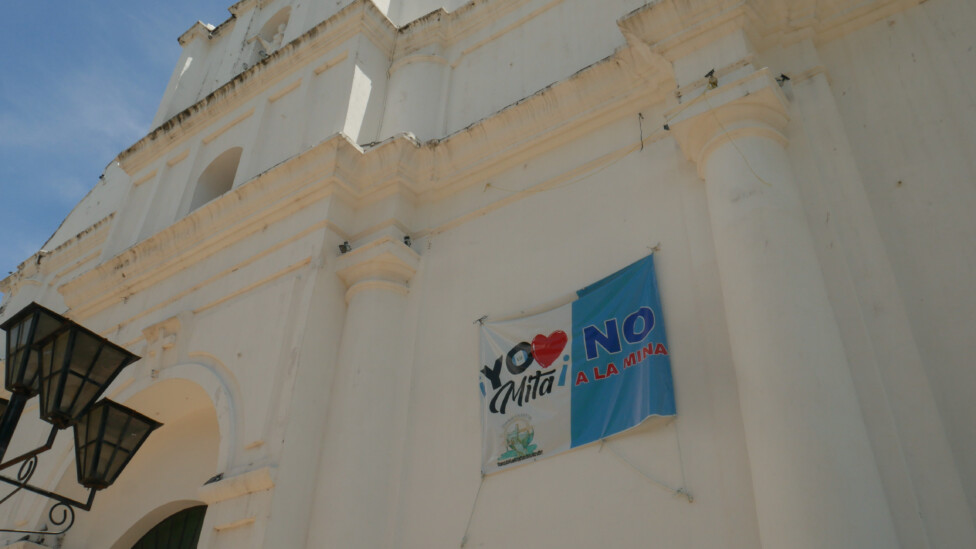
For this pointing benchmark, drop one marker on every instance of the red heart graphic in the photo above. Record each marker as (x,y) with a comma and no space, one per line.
(546,350)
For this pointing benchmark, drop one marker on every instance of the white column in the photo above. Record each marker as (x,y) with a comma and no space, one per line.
(815,478)
(355,505)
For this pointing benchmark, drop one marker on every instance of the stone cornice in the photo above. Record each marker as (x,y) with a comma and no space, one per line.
(632,79)
(444,29)
(673,28)
(599,95)
(46,262)
(360,17)
(240,213)
(439,29)
(198,30)
(242,7)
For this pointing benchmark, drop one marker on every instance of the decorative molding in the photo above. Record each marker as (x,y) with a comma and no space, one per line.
(675,28)
(258,480)
(751,105)
(87,309)
(417,58)
(509,28)
(235,524)
(242,7)
(244,116)
(331,63)
(285,91)
(359,17)
(597,96)
(161,336)
(384,264)
(634,79)
(178,157)
(143,179)
(443,29)
(44,262)
(251,287)
(198,30)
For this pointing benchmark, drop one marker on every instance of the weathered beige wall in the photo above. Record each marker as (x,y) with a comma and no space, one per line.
(909,108)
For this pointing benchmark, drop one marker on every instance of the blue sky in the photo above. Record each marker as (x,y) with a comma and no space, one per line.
(78,84)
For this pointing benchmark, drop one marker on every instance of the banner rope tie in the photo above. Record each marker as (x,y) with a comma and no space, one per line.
(681,462)
(467,527)
(674,491)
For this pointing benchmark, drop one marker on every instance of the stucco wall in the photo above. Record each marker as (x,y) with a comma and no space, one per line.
(909,107)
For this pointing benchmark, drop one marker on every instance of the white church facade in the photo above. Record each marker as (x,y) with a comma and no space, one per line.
(333,194)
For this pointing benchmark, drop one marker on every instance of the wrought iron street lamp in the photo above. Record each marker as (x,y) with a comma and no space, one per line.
(70,367)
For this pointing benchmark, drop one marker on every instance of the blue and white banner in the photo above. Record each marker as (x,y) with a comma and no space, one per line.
(576,374)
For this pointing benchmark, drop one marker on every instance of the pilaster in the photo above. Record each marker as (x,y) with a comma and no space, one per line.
(356,500)
(814,474)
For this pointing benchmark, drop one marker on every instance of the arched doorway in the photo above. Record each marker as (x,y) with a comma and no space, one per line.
(181,530)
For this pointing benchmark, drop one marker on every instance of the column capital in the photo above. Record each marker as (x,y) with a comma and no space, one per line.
(381,264)
(752,105)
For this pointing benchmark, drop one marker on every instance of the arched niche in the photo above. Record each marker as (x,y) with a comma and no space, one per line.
(270,37)
(217,178)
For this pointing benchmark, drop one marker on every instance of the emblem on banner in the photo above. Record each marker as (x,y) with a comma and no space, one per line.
(519,435)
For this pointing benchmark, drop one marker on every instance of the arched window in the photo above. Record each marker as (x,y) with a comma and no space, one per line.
(178,531)
(217,179)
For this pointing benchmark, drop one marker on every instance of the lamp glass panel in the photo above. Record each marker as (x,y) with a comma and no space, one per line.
(106,438)
(79,390)
(72,388)
(31,325)
(107,364)
(110,361)
(17,336)
(86,395)
(31,368)
(46,325)
(137,432)
(110,454)
(116,426)
(14,359)
(53,354)
(86,441)
(21,332)
(13,336)
(84,353)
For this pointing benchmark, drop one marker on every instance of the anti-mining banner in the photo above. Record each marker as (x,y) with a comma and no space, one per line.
(576,374)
